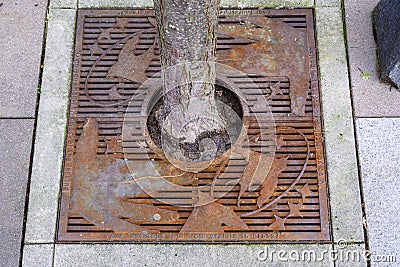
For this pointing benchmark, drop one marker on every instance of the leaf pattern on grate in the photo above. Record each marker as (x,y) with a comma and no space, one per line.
(296,209)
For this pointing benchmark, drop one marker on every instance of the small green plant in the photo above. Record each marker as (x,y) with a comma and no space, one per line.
(365,75)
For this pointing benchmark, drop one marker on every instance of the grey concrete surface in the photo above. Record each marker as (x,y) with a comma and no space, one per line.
(15,151)
(270,3)
(351,255)
(114,3)
(224,3)
(190,255)
(371,98)
(345,199)
(21,36)
(379,146)
(71,4)
(359,23)
(49,143)
(38,255)
(328,3)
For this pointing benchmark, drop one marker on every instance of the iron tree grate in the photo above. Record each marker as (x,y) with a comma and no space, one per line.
(104,90)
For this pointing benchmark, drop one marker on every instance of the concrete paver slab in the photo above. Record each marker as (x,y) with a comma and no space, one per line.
(15,150)
(359,23)
(224,3)
(379,146)
(71,4)
(49,143)
(38,255)
(341,158)
(191,255)
(328,3)
(21,37)
(270,3)
(350,255)
(371,97)
(114,3)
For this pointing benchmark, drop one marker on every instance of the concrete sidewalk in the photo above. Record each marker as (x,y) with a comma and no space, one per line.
(21,43)
(369,127)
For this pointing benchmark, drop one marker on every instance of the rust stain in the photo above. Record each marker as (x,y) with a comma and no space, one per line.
(94,193)
(280,50)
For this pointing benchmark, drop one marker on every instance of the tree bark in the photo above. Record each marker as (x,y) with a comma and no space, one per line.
(187,31)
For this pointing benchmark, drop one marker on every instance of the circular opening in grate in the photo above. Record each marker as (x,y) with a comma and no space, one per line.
(230,109)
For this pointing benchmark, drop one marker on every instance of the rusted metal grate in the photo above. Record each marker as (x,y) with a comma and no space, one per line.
(281,68)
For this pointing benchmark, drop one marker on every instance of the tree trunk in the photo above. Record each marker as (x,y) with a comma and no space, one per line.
(187,31)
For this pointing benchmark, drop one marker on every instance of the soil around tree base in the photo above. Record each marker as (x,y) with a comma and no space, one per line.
(223,141)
